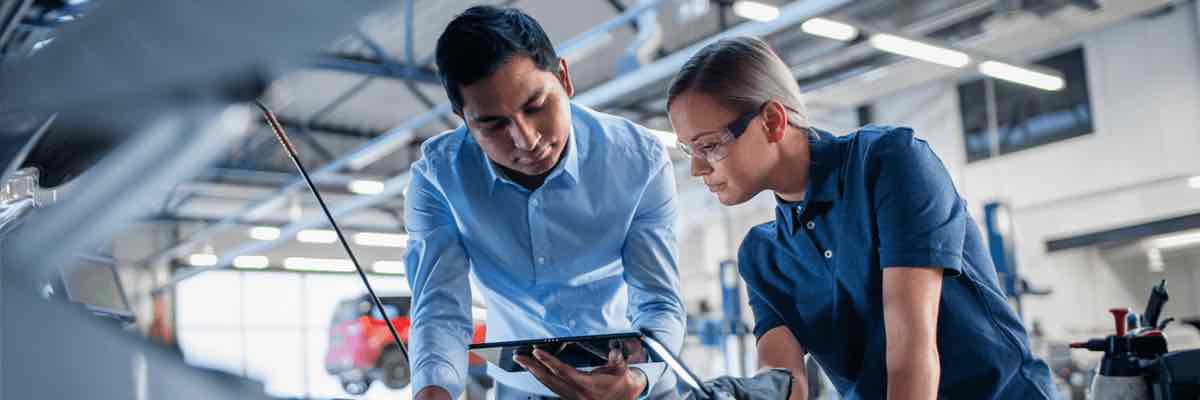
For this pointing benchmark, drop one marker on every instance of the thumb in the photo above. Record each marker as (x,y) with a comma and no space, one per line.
(616,359)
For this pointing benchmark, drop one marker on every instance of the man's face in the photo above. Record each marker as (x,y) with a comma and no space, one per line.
(520,115)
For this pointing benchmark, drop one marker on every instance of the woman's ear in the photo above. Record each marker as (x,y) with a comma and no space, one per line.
(774,120)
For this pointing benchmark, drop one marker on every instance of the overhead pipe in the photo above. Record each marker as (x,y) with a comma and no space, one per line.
(410,57)
(372,151)
(646,42)
(596,97)
(10,17)
(666,67)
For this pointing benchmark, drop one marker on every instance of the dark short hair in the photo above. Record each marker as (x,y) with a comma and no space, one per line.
(481,39)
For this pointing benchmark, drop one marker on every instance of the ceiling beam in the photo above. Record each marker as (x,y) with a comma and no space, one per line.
(377,69)
(324,127)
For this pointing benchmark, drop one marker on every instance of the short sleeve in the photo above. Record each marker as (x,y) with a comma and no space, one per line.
(765,317)
(750,264)
(920,218)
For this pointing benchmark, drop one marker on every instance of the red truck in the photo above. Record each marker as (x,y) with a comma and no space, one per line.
(361,349)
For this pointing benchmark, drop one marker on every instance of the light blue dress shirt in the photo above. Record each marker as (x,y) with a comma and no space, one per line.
(590,251)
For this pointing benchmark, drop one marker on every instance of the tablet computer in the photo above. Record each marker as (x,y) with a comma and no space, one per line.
(591,351)
(576,351)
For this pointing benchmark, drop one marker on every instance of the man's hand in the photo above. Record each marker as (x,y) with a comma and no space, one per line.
(614,381)
(432,393)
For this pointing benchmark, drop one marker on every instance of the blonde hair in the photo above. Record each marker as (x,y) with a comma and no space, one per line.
(741,73)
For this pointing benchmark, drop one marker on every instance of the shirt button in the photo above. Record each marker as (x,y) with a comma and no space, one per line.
(828,253)
(810,225)
(541,260)
(533,202)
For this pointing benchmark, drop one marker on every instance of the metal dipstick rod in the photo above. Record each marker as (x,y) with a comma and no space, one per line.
(291,151)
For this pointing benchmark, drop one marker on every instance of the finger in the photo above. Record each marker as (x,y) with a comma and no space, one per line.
(636,353)
(616,359)
(558,367)
(533,366)
(546,377)
(538,368)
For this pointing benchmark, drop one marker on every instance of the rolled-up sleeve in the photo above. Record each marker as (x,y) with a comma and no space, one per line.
(441,302)
(921,220)
(750,264)
(649,257)
(765,317)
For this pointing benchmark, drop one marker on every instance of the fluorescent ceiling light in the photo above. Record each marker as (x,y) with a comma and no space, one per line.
(317,236)
(829,29)
(1022,76)
(1194,182)
(381,239)
(202,260)
(921,51)
(366,186)
(1174,241)
(388,267)
(251,262)
(264,233)
(666,137)
(756,11)
(318,264)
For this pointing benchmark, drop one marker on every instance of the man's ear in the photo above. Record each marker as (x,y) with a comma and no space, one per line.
(564,77)
(775,121)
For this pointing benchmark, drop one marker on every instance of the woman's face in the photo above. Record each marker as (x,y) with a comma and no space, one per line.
(699,119)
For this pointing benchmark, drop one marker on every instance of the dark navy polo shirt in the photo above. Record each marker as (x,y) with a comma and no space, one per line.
(879,198)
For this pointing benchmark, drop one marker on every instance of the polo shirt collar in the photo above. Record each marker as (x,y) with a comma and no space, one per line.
(824,185)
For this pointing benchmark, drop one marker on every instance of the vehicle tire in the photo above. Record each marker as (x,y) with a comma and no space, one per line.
(395,369)
(355,386)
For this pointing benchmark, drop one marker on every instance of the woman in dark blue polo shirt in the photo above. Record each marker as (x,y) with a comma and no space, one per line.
(872,263)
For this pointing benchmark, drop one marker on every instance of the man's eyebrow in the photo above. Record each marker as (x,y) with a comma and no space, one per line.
(483,119)
(534,97)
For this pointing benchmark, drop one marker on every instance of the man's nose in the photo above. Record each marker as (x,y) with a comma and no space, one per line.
(525,137)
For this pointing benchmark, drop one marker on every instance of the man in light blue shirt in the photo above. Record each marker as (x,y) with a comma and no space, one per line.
(562,216)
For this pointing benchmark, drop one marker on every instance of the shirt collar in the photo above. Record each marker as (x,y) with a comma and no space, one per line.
(568,167)
(824,184)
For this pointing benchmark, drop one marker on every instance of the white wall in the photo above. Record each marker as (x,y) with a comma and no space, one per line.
(1144,79)
(136,278)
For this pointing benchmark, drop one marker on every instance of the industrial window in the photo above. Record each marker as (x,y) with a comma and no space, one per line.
(272,327)
(1025,117)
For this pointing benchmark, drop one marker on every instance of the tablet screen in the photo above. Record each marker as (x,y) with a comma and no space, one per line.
(579,352)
